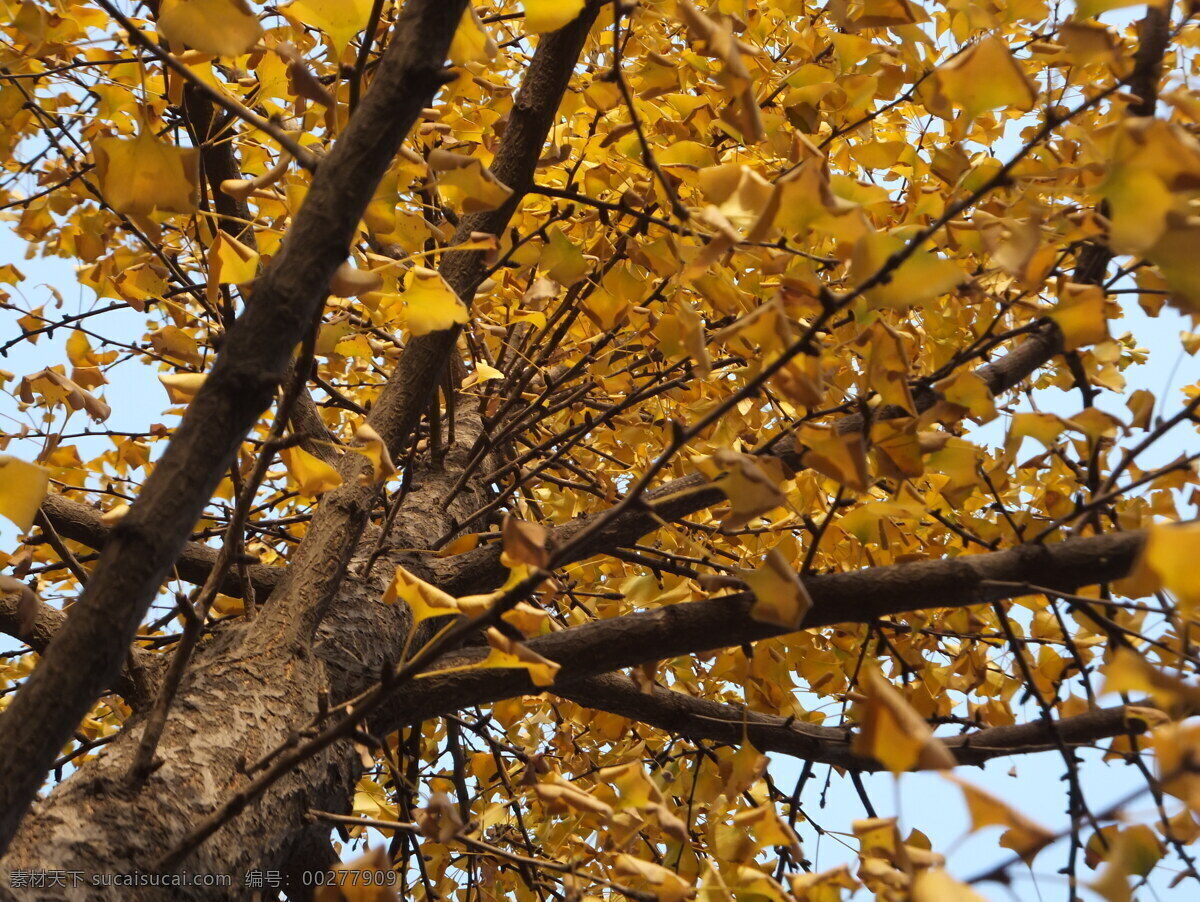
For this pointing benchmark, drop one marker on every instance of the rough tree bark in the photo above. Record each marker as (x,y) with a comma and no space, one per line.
(88,652)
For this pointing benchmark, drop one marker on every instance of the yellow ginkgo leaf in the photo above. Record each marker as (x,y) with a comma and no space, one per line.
(897,448)
(686,156)
(717,40)
(472,183)
(79,349)
(825,886)
(1175,256)
(482,373)
(22,488)
(691,328)
(888,13)
(524,543)
(986,77)
(968,391)
(1044,427)
(935,885)
(341,20)
(740,193)
(768,827)
(878,837)
(528,620)
(1090,42)
(893,733)
(1153,168)
(1080,314)
(430,304)
(508,653)
(887,365)
(1171,553)
(351,282)
(471,42)
(634,787)
(751,490)
(229,263)
(561,797)
(424,599)
(140,175)
(360,880)
(171,341)
(114,514)
(1130,853)
(635,790)
(86,361)
(1096,424)
(1024,836)
(182,387)
(668,886)
(219,27)
(802,380)
(460,545)
(370,445)
(804,197)
(55,388)
(312,475)
(840,456)
(370,800)
(550,15)
(779,595)
(561,259)
(958,460)
(921,278)
(236,262)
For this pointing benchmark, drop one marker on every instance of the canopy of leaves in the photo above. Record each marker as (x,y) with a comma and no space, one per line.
(702,339)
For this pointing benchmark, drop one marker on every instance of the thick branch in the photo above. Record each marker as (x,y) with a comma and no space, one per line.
(81,523)
(137,679)
(419,369)
(849,597)
(858,597)
(699,718)
(317,567)
(88,652)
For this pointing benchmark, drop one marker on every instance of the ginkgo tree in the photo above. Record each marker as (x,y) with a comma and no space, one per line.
(572,433)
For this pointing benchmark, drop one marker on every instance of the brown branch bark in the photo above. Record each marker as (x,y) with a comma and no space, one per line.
(857,597)
(135,683)
(300,603)
(699,718)
(420,367)
(81,523)
(220,163)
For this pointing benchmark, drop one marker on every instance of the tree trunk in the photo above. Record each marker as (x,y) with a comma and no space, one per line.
(245,693)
